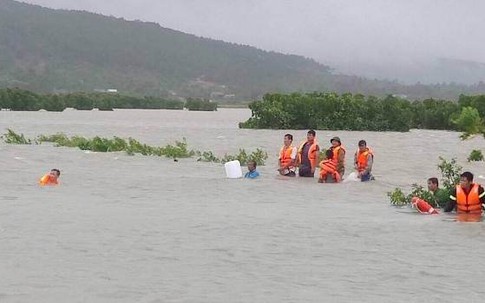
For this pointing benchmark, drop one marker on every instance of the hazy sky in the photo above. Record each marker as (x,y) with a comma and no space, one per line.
(335,32)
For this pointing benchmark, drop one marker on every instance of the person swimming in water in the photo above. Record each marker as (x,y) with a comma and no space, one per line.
(51,178)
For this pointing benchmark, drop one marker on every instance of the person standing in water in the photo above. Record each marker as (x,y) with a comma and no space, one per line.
(363,161)
(308,155)
(252,173)
(287,158)
(338,154)
(440,195)
(467,199)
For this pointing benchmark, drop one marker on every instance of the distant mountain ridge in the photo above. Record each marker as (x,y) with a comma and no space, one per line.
(48,50)
(427,71)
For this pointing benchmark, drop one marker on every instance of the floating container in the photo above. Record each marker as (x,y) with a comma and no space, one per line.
(233,169)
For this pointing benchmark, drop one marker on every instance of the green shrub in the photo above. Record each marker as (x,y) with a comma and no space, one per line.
(132,146)
(475,155)
(12,137)
(450,175)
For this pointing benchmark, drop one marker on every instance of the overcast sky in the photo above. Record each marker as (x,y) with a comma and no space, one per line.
(334,32)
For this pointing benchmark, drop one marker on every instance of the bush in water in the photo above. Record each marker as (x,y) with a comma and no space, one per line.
(469,122)
(450,175)
(475,155)
(11,137)
(131,146)
(259,156)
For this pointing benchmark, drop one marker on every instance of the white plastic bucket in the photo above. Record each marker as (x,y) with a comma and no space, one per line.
(233,169)
(352,177)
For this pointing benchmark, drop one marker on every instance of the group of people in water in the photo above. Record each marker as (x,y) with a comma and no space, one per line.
(305,159)
(467,198)
(332,168)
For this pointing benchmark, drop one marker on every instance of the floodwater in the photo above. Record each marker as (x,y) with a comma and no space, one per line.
(125,228)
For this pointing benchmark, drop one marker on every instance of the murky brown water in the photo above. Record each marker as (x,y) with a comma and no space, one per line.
(147,229)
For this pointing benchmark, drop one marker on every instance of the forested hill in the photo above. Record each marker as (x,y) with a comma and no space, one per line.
(45,49)
(49,50)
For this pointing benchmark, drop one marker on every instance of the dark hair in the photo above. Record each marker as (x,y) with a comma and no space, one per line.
(57,171)
(329,153)
(362,143)
(468,175)
(312,132)
(433,180)
(289,136)
(252,162)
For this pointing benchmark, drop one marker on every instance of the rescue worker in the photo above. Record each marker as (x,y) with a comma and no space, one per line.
(287,157)
(467,199)
(440,194)
(363,161)
(338,154)
(308,155)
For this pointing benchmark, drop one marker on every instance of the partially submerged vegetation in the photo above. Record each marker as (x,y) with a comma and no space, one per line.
(331,111)
(23,100)
(12,137)
(450,175)
(132,146)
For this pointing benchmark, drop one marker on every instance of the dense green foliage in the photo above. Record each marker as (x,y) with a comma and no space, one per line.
(349,112)
(450,175)
(469,122)
(57,50)
(200,105)
(131,146)
(23,100)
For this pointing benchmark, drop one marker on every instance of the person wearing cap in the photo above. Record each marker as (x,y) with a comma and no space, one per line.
(338,154)
(308,155)
(363,161)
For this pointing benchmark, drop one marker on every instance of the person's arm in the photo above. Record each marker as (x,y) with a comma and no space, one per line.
(317,151)
(451,205)
(341,159)
(294,152)
(481,194)
(370,162)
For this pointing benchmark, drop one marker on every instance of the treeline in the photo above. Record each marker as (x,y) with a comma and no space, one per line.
(357,112)
(22,100)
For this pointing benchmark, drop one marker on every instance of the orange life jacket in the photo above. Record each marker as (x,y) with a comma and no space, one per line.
(285,156)
(47,179)
(362,157)
(336,151)
(329,167)
(312,153)
(468,203)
